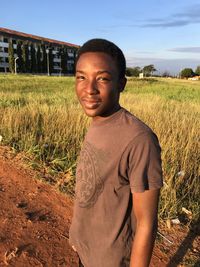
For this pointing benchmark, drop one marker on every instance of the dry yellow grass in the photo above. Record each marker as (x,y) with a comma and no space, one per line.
(41,116)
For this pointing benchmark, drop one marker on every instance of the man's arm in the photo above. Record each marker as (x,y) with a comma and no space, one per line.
(145,206)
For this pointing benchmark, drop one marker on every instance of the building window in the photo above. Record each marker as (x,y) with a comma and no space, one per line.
(6,49)
(6,60)
(5,40)
(14,41)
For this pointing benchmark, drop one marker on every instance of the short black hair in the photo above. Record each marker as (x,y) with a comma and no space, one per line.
(107,47)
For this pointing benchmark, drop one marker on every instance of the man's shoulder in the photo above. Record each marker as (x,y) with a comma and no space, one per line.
(131,123)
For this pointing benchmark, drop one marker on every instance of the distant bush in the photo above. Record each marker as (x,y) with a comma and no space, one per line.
(133,72)
(197,71)
(187,73)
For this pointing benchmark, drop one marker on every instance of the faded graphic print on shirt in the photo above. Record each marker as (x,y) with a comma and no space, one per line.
(89,183)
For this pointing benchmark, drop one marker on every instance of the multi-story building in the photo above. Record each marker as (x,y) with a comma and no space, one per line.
(54,53)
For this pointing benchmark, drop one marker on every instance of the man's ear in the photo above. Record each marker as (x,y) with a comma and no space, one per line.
(122,84)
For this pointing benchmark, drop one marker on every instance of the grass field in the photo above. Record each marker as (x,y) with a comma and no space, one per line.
(40,115)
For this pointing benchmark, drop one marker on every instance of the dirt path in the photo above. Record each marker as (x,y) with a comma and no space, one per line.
(35,219)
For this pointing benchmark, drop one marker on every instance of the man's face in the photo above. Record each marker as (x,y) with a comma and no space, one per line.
(98,85)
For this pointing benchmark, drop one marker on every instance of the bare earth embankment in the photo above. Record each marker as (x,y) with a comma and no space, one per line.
(35,219)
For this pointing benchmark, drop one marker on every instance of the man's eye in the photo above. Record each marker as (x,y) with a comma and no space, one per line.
(80,77)
(103,79)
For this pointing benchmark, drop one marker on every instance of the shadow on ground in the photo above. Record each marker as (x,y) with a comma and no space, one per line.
(186,245)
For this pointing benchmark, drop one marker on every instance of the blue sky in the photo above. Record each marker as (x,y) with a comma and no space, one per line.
(163,33)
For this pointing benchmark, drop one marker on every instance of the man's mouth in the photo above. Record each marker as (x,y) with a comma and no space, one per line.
(91,103)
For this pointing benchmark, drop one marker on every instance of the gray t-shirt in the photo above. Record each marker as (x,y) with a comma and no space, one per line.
(120,155)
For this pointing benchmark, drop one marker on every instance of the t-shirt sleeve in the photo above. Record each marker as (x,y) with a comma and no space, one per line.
(144,169)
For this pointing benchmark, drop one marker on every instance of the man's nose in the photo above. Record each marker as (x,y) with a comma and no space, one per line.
(92,87)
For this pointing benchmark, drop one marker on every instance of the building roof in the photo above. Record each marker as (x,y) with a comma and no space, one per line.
(35,37)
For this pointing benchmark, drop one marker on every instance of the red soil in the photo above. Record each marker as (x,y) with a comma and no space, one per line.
(35,220)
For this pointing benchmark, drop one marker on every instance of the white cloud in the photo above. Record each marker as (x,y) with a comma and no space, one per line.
(191,49)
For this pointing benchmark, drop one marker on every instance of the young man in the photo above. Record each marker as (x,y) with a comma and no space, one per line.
(119,169)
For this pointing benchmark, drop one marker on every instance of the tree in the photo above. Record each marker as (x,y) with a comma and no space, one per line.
(38,57)
(33,59)
(166,74)
(134,72)
(64,58)
(11,58)
(20,63)
(197,71)
(187,73)
(44,59)
(50,60)
(25,57)
(73,64)
(148,70)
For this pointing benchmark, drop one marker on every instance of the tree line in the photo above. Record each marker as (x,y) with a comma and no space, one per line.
(135,71)
(36,58)
(189,73)
(150,69)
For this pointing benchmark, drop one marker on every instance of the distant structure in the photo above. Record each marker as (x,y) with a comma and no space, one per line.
(25,53)
(141,75)
(195,78)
